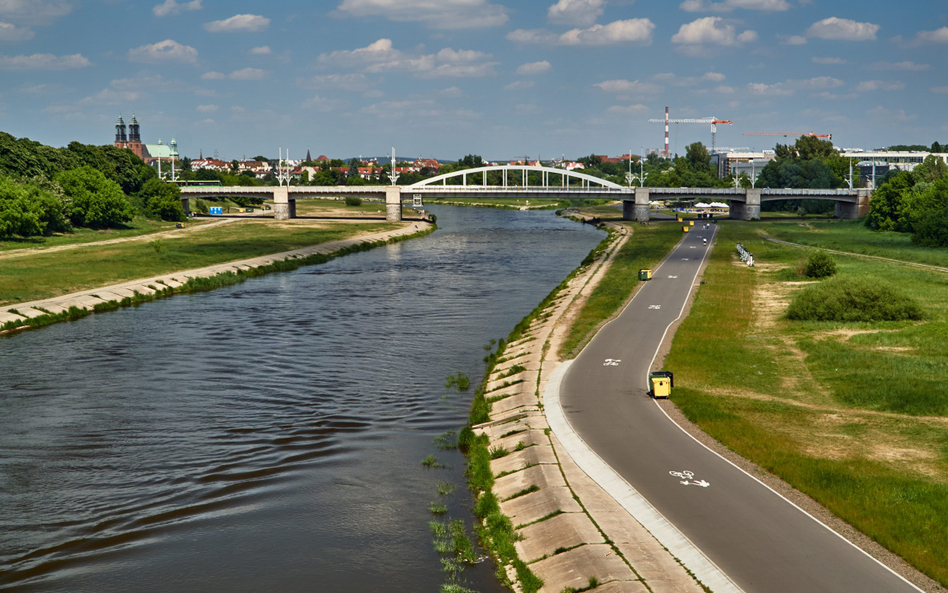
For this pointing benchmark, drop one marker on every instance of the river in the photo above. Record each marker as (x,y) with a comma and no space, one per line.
(266,436)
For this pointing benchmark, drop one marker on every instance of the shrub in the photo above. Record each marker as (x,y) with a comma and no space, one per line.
(819,265)
(353,201)
(162,200)
(95,201)
(30,208)
(851,299)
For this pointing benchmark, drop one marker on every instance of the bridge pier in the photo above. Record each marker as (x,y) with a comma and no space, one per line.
(393,203)
(186,206)
(749,209)
(283,207)
(637,209)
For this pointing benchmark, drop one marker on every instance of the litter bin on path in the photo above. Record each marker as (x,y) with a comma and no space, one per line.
(660,383)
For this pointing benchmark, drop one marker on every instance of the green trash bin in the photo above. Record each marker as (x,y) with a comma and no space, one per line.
(645,274)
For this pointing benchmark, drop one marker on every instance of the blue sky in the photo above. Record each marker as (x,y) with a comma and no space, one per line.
(444,78)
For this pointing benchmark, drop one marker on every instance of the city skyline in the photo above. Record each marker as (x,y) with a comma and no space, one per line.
(539,78)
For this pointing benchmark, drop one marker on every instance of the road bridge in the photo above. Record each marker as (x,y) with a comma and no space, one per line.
(514,182)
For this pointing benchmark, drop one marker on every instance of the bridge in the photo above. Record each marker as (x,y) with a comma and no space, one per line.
(514,181)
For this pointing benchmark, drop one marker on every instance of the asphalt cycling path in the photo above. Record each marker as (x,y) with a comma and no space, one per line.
(761,541)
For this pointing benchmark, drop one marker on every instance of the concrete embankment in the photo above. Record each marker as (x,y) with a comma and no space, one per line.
(574,534)
(74,305)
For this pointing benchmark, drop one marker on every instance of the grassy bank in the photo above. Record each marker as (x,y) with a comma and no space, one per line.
(136,228)
(647,246)
(201,284)
(854,237)
(852,414)
(44,275)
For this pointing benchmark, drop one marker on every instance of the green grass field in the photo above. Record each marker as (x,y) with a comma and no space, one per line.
(852,236)
(44,275)
(855,415)
(137,227)
(647,246)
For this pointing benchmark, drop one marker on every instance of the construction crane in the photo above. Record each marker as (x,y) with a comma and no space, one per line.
(699,120)
(789,134)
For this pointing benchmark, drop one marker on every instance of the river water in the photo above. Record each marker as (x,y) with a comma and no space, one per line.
(266,436)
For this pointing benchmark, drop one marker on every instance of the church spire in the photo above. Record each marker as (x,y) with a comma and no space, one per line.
(120,130)
(133,131)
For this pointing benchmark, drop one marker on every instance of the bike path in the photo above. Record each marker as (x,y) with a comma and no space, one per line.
(761,541)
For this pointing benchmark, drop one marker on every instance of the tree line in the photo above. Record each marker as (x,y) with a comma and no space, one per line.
(913,202)
(45,190)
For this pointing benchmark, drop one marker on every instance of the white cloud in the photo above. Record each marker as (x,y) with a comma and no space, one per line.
(941,90)
(632,87)
(936,36)
(674,80)
(637,108)
(729,5)
(637,31)
(43,62)
(725,90)
(263,50)
(836,61)
(248,74)
(381,56)
(10,32)
(575,12)
(238,22)
(904,66)
(794,40)
(899,115)
(519,85)
(323,104)
(879,85)
(842,29)
(435,14)
(788,87)
(213,76)
(34,11)
(451,92)
(172,7)
(163,51)
(628,31)
(534,68)
(114,97)
(711,29)
(207,108)
(531,36)
(348,82)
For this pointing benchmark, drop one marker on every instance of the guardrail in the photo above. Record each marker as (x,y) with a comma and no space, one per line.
(746,256)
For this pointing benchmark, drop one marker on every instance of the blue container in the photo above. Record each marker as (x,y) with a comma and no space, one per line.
(216,210)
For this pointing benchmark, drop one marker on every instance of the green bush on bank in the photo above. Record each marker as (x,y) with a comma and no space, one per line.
(852,300)
(819,265)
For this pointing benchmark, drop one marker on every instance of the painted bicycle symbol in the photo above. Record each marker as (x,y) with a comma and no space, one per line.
(686,479)
(612,362)
(685,474)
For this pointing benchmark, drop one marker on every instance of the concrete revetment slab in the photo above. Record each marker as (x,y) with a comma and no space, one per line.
(542,476)
(562,531)
(530,507)
(573,568)
(520,459)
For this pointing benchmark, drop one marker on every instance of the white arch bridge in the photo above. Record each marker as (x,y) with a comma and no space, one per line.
(524,181)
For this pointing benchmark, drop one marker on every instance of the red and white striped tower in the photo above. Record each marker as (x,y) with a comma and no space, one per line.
(667,153)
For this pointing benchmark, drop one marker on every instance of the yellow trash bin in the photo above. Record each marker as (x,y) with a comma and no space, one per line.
(685,228)
(691,223)
(660,383)
(679,219)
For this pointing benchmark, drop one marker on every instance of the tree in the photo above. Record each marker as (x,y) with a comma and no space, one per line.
(471,161)
(930,170)
(698,158)
(936,147)
(29,208)
(234,166)
(591,161)
(94,200)
(163,200)
(930,220)
(888,207)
